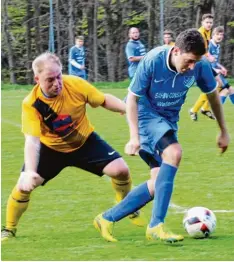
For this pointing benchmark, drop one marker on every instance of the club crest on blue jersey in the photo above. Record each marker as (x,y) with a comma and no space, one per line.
(188,81)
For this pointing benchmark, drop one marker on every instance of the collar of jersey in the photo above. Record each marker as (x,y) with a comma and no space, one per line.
(216,45)
(167,60)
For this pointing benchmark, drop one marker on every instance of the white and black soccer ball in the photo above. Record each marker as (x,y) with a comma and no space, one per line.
(199,222)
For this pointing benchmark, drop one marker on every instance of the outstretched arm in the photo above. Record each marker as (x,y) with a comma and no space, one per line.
(29,179)
(114,104)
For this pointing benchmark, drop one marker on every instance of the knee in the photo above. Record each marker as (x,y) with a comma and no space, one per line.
(172,154)
(122,172)
(117,169)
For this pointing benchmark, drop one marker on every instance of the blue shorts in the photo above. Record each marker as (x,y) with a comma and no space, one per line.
(225,83)
(93,156)
(152,127)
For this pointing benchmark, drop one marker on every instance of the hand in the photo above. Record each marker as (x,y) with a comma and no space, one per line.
(28,181)
(211,58)
(223,141)
(132,147)
(218,71)
(82,67)
(223,71)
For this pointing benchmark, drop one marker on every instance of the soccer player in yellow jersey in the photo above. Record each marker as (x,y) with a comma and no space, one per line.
(202,102)
(168,38)
(58,134)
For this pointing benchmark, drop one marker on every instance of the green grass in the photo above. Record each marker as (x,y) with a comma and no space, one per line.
(58,223)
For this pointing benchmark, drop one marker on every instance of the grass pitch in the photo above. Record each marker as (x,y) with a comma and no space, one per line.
(58,223)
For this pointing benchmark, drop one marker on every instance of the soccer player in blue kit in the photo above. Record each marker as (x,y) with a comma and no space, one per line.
(135,50)
(214,50)
(76,64)
(155,97)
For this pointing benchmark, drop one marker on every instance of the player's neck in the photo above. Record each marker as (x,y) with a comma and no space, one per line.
(171,62)
(214,43)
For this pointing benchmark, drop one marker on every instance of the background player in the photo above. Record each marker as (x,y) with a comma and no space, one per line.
(76,64)
(214,50)
(202,102)
(135,50)
(168,38)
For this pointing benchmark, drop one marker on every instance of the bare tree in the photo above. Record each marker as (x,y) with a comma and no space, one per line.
(29,25)
(95,41)
(7,38)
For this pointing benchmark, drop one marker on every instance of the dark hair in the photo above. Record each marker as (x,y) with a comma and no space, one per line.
(80,37)
(168,32)
(218,29)
(191,41)
(207,16)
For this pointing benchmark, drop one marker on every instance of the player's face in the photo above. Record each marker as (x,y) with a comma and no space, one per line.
(218,37)
(79,42)
(167,39)
(207,23)
(134,34)
(50,79)
(185,61)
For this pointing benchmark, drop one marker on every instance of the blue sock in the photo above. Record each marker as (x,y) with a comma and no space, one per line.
(223,99)
(162,195)
(232,98)
(135,199)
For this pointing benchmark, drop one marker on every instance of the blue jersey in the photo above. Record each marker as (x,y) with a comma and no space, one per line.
(134,48)
(214,50)
(77,54)
(162,90)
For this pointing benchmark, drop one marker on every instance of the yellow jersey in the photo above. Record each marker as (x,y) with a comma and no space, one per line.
(206,36)
(61,122)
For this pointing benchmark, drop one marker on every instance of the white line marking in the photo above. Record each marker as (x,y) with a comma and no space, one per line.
(179,209)
(10,122)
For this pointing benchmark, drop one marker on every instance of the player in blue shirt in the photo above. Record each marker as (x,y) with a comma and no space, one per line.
(155,97)
(135,50)
(214,49)
(76,65)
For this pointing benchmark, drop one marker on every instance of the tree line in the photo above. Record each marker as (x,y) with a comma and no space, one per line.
(104,24)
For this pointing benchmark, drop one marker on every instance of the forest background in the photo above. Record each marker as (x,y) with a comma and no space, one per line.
(105,24)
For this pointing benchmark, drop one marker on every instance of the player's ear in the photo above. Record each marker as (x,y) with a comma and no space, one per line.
(176,50)
(36,78)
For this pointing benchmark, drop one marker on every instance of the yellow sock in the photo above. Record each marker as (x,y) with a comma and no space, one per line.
(16,206)
(121,187)
(201,100)
(206,106)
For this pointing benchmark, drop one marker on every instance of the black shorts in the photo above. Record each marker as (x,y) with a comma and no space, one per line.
(93,156)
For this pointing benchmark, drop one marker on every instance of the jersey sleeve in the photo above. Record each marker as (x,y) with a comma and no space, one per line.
(142,78)
(93,96)
(129,50)
(205,77)
(71,53)
(30,120)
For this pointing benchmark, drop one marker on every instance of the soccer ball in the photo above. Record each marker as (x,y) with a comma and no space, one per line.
(199,222)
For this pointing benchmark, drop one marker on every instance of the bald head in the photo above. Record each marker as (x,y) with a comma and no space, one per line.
(134,33)
(43,60)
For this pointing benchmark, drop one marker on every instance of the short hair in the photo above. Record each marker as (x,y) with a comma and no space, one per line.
(133,27)
(207,16)
(40,61)
(80,37)
(218,29)
(168,32)
(191,41)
